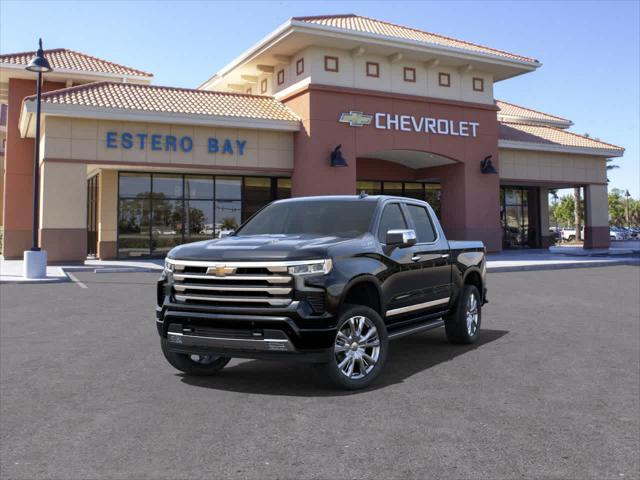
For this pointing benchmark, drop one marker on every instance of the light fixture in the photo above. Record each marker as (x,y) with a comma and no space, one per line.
(486,166)
(39,62)
(337,160)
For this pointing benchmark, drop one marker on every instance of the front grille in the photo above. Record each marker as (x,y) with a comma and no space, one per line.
(234,284)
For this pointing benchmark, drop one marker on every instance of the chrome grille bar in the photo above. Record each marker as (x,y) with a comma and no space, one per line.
(266,278)
(270,301)
(236,288)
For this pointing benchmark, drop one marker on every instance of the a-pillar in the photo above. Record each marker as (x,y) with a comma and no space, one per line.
(107,214)
(596,216)
(546,240)
(63,211)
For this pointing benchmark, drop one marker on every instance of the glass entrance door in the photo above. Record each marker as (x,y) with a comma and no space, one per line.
(519,217)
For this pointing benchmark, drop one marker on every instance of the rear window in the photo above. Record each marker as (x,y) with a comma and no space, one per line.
(425,232)
(312,217)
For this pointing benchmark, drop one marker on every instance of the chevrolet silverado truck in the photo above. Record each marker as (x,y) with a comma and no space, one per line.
(329,280)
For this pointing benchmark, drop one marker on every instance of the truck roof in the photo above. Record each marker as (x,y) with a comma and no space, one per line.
(348,198)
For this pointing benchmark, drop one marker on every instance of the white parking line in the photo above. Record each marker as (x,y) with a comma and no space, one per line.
(75,280)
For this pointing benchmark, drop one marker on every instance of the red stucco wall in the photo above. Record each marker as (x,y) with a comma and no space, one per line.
(470,200)
(18,178)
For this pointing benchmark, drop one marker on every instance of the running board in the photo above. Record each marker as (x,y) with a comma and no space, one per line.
(411,329)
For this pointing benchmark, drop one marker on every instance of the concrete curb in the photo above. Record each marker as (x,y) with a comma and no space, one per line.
(561,266)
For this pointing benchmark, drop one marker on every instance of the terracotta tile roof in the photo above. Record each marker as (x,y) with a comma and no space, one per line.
(370,25)
(517,132)
(513,110)
(152,98)
(65,59)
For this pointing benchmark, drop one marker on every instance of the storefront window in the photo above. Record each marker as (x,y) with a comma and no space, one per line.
(256,194)
(159,211)
(228,188)
(133,226)
(167,224)
(199,220)
(135,185)
(371,188)
(392,188)
(429,192)
(283,189)
(414,190)
(198,188)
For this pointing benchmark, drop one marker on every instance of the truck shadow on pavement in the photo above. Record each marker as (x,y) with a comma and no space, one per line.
(407,357)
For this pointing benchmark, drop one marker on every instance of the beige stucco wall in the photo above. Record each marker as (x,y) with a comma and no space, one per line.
(108,206)
(352,73)
(597,211)
(63,196)
(81,139)
(552,167)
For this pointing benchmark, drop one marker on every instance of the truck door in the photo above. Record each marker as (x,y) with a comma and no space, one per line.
(400,287)
(431,257)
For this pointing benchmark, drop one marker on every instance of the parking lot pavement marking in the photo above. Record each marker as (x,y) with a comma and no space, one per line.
(75,280)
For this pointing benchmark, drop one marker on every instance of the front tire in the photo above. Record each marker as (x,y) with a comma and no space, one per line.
(198,365)
(360,348)
(463,324)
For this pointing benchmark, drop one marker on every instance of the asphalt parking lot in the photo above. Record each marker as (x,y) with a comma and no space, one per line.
(552,390)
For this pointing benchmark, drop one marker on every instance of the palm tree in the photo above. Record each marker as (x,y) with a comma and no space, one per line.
(611,167)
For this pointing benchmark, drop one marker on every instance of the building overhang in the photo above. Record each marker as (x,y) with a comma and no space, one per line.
(28,113)
(294,35)
(555,148)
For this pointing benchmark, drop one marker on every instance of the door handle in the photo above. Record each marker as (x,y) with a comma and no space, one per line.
(415,258)
(444,255)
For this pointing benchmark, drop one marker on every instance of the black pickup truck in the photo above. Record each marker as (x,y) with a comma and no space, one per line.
(323,279)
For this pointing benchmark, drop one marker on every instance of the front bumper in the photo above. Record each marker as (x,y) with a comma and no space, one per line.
(293,332)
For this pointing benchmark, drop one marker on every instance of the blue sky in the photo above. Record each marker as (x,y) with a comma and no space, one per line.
(589,50)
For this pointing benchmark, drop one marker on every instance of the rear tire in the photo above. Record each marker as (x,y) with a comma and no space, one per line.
(360,348)
(463,324)
(198,365)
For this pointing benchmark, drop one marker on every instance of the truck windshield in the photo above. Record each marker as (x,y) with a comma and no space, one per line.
(313,217)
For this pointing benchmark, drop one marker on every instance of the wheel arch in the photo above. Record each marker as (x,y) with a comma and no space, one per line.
(364,290)
(473,276)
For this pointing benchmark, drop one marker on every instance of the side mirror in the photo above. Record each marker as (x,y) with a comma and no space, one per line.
(401,238)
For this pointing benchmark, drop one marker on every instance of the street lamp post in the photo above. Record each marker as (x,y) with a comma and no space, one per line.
(35,260)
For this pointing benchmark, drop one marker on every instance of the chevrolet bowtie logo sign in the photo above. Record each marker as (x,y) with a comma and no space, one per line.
(355,119)
(221,271)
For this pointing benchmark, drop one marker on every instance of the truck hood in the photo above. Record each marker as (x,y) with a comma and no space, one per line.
(258,248)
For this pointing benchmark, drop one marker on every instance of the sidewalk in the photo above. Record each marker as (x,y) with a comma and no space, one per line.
(506,261)
(544,259)
(11,270)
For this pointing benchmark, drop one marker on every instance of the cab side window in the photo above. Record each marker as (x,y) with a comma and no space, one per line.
(425,232)
(392,219)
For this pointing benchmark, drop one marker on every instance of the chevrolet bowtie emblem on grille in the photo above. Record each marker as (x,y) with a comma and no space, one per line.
(355,119)
(220,271)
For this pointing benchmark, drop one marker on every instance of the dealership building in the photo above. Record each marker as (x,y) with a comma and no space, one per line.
(322,105)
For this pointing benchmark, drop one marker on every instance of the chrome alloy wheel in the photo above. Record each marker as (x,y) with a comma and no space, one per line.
(472,314)
(357,347)
(203,359)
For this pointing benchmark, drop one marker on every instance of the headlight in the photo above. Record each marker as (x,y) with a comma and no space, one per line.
(314,267)
(169,267)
